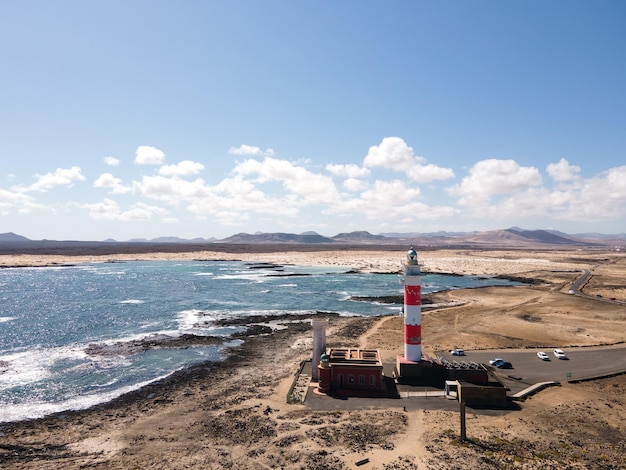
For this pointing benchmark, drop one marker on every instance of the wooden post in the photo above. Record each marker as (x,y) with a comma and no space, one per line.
(462,413)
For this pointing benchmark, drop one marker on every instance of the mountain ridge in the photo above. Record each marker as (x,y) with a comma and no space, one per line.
(510,237)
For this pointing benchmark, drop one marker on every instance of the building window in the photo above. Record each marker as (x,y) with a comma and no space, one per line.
(372,380)
(351,379)
(361,380)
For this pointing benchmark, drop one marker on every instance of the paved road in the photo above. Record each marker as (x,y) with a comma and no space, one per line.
(576,285)
(528,369)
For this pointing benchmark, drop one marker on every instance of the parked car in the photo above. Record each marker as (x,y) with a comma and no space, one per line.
(543,356)
(559,354)
(501,363)
(457,352)
(504,365)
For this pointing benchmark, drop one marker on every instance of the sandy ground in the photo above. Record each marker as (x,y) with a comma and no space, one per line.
(235,415)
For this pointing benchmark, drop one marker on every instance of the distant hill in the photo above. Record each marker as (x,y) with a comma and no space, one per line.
(543,236)
(277,238)
(439,234)
(510,238)
(516,237)
(308,237)
(12,237)
(180,240)
(360,236)
(600,236)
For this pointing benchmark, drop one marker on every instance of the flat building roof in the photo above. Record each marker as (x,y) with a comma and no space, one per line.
(355,356)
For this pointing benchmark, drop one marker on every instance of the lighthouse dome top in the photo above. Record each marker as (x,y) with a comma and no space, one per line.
(411,256)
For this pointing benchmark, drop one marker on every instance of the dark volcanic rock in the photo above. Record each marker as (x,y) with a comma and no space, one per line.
(161,341)
(254,330)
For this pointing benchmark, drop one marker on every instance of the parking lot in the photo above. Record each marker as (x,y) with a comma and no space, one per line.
(528,369)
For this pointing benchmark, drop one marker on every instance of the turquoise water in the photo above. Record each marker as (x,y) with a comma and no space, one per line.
(49,316)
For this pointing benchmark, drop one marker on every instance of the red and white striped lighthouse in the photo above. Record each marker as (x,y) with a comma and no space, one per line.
(412,308)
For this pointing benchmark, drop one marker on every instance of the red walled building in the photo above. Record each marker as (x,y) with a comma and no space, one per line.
(352,372)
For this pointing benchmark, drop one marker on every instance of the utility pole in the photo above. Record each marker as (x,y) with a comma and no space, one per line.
(462,413)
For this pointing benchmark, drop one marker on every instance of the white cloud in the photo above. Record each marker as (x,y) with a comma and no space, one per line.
(146,155)
(110,210)
(231,196)
(172,190)
(390,195)
(107,180)
(263,171)
(492,177)
(252,189)
(238,194)
(184,168)
(281,188)
(245,150)
(234,200)
(501,189)
(563,171)
(354,185)
(105,210)
(347,171)
(60,177)
(428,173)
(313,187)
(11,201)
(264,191)
(616,183)
(111,161)
(250,150)
(601,198)
(394,154)
(528,203)
(391,201)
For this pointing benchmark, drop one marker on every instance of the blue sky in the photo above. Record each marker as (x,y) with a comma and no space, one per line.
(140,119)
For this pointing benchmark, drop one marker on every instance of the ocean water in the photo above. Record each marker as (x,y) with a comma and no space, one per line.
(49,317)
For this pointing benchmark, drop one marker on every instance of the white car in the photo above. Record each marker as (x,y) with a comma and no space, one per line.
(457,352)
(559,354)
(543,356)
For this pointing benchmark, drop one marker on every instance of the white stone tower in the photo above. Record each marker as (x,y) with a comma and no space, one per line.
(319,344)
